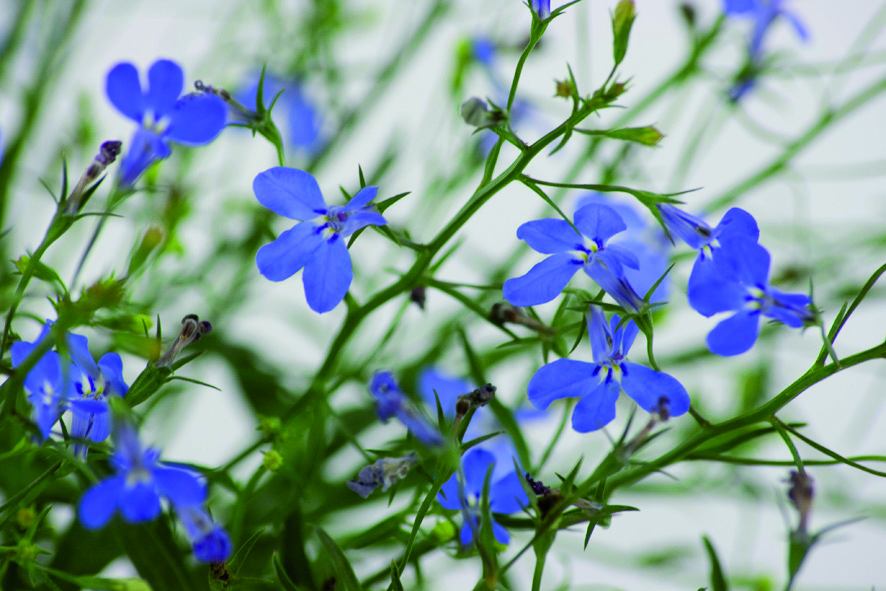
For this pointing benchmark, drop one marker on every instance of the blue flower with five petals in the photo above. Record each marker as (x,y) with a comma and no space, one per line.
(162,115)
(317,243)
(391,401)
(138,485)
(598,384)
(747,293)
(506,495)
(571,251)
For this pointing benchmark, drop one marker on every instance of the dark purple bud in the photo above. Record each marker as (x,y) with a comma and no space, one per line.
(474,399)
(419,296)
(537,486)
(192,330)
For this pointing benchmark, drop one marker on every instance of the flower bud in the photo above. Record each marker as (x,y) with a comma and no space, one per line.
(192,330)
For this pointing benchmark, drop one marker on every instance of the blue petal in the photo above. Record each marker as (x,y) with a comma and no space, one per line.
(476,464)
(507,495)
(139,502)
(623,256)
(543,282)
(466,535)
(361,219)
(617,287)
(328,275)
(693,230)
(289,192)
(124,91)
(78,351)
(563,378)
(145,148)
(625,335)
(196,120)
(597,408)
(361,199)
(798,25)
(549,236)
(180,486)
(214,547)
(99,502)
(755,262)
(600,334)
(633,220)
(653,265)
(740,6)
(736,334)
(111,367)
(737,223)
(789,308)
(599,222)
(283,257)
(448,389)
(710,293)
(448,495)
(650,389)
(501,534)
(420,429)
(387,394)
(304,120)
(165,83)
(19,351)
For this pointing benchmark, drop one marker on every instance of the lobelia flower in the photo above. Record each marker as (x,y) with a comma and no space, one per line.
(735,229)
(392,402)
(747,293)
(81,384)
(317,242)
(763,13)
(162,115)
(210,541)
(648,243)
(506,495)
(599,384)
(589,251)
(138,484)
(541,7)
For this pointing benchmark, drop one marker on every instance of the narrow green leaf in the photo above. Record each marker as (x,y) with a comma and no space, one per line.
(346,580)
(718,579)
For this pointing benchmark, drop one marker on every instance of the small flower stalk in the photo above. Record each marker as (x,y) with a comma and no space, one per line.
(192,330)
(106,156)
(473,400)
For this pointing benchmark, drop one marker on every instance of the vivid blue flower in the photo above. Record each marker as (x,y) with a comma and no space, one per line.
(392,402)
(162,114)
(735,229)
(138,485)
(589,251)
(541,7)
(317,243)
(93,383)
(48,389)
(303,117)
(506,495)
(210,540)
(647,242)
(89,385)
(747,293)
(598,384)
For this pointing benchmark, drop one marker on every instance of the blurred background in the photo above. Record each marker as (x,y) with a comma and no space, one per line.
(378,84)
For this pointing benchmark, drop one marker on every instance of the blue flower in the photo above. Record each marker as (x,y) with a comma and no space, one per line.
(647,242)
(391,401)
(89,385)
(541,7)
(589,251)
(93,383)
(483,50)
(598,384)
(162,116)
(317,243)
(210,540)
(506,495)
(139,483)
(763,13)
(747,293)
(303,117)
(48,388)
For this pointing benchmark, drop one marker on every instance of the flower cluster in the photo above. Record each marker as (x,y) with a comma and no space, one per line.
(76,382)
